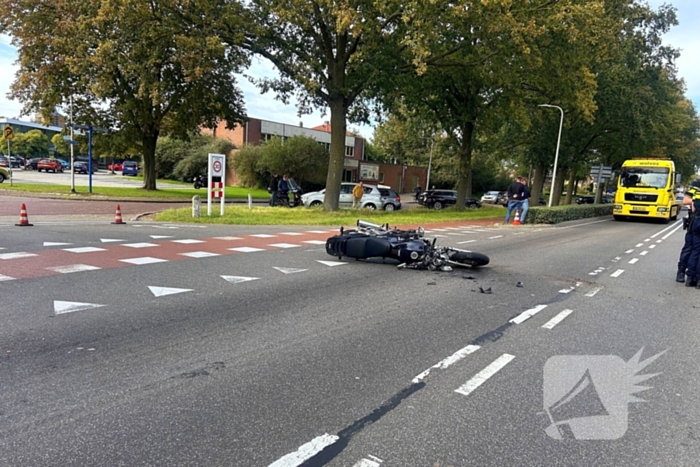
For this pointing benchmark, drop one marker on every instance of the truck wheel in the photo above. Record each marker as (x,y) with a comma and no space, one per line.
(619,218)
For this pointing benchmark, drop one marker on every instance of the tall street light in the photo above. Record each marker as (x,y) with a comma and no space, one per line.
(556,155)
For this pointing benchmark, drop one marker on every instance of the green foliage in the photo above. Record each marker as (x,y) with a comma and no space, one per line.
(244,162)
(557,214)
(301,157)
(182,160)
(33,143)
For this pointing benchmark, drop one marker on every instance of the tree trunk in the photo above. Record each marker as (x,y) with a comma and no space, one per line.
(464,187)
(538,182)
(337,157)
(571,188)
(149,160)
(558,188)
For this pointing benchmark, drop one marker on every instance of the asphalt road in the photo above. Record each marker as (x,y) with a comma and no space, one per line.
(211,353)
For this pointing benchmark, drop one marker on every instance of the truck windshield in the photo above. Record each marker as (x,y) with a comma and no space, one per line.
(644,177)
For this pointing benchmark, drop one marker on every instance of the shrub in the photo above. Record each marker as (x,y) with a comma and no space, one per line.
(557,214)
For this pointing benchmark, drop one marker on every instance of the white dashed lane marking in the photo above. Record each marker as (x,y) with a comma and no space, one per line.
(306,451)
(199,254)
(140,245)
(239,279)
(263,236)
(557,319)
(73,268)
(643,253)
(314,242)
(246,249)
(228,238)
(483,376)
(442,364)
(289,270)
(6,278)
(21,254)
(284,245)
(85,249)
(525,315)
(633,260)
(144,260)
(187,241)
(468,241)
(617,273)
(56,244)
(594,291)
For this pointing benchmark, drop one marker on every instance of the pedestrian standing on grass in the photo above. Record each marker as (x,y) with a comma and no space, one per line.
(272,189)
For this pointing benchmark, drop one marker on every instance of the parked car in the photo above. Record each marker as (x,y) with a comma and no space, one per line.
(130,168)
(17,161)
(586,199)
(82,167)
(438,199)
(4,161)
(4,174)
(490,197)
(117,167)
(372,198)
(391,201)
(49,165)
(64,164)
(31,164)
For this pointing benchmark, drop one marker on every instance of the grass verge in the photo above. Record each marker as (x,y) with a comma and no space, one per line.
(125,192)
(241,215)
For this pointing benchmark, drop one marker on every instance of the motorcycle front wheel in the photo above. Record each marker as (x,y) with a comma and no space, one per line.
(469,258)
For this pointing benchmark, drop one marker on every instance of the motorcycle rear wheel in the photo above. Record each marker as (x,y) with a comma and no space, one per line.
(469,258)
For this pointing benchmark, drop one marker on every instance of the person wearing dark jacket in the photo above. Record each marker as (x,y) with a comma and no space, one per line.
(516,193)
(526,199)
(283,188)
(274,183)
(689,224)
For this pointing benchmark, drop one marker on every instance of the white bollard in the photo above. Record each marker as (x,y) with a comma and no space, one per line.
(196,206)
(250,201)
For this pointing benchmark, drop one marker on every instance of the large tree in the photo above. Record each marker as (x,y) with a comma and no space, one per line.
(328,53)
(133,65)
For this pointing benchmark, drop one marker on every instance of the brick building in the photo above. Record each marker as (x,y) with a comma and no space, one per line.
(255,131)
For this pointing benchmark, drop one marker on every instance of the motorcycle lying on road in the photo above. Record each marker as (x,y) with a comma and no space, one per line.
(409,247)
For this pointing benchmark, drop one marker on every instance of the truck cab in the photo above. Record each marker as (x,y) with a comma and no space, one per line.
(646,188)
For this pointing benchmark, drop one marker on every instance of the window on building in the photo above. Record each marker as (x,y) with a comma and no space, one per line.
(381,177)
(349,151)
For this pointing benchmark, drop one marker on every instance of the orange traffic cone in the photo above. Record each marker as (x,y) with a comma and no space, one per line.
(118,216)
(23,218)
(516,221)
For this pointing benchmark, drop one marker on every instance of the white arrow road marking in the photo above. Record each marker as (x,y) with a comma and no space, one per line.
(60,307)
(6,278)
(289,270)
(331,263)
(73,268)
(85,249)
(199,254)
(246,249)
(305,451)
(143,260)
(187,241)
(111,240)
(527,314)
(162,291)
(557,319)
(56,244)
(140,245)
(239,279)
(156,237)
(21,254)
(481,377)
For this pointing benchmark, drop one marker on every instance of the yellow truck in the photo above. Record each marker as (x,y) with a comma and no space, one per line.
(645,188)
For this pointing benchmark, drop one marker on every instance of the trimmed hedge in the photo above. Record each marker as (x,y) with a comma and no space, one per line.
(557,214)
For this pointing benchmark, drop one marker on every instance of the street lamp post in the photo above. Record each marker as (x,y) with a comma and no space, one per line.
(556,155)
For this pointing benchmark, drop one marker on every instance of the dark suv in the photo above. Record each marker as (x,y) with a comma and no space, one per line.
(438,199)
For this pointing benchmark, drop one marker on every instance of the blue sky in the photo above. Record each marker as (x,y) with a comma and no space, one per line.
(684,36)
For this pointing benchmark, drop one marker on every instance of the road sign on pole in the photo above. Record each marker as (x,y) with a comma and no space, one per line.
(8,132)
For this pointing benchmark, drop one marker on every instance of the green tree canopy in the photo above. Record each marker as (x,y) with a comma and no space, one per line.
(133,65)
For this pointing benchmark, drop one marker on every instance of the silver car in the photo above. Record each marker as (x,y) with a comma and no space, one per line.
(372,199)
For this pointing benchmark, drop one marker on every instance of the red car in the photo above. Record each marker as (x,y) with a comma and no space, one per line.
(116,167)
(49,165)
